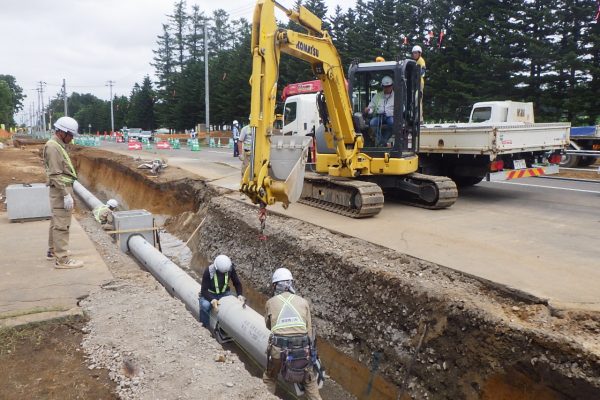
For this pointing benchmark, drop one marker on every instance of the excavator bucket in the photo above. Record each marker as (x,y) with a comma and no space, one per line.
(287,161)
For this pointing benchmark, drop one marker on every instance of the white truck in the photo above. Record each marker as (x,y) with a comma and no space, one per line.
(501,141)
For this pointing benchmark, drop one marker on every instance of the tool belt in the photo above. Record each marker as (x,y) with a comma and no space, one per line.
(288,342)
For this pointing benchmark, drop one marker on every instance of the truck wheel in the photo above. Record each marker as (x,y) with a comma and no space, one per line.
(587,161)
(569,161)
(464,181)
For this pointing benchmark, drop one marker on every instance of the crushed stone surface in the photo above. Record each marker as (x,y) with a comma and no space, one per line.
(151,345)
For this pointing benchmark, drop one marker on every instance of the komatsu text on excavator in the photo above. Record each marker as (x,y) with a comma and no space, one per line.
(353,164)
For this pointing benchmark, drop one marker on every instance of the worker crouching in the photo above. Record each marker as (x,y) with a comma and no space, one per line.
(291,351)
(104,214)
(215,285)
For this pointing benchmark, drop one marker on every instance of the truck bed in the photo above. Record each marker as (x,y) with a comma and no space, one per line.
(493,139)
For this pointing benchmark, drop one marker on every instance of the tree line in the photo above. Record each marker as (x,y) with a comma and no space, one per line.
(543,51)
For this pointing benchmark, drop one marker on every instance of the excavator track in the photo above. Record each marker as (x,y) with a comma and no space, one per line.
(445,188)
(349,197)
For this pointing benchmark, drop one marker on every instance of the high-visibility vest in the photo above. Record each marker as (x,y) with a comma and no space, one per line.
(99,210)
(65,178)
(216,281)
(288,317)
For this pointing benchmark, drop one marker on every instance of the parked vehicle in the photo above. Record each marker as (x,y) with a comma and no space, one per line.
(584,147)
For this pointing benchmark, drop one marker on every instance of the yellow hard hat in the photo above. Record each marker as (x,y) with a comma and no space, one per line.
(379,59)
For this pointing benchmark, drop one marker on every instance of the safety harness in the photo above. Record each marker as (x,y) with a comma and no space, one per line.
(66,179)
(216,282)
(99,211)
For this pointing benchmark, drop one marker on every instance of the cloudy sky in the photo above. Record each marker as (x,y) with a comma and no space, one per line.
(88,42)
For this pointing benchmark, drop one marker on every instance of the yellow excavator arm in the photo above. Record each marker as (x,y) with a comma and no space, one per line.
(276,169)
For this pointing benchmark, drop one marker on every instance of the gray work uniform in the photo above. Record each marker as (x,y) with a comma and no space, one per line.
(60,177)
(246,139)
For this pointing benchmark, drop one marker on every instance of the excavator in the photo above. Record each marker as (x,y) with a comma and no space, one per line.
(352,170)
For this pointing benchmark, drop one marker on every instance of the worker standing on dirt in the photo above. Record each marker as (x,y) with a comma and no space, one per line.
(235,133)
(417,55)
(290,350)
(61,175)
(104,214)
(245,147)
(382,106)
(215,285)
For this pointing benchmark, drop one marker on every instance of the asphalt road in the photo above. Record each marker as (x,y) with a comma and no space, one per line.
(537,235)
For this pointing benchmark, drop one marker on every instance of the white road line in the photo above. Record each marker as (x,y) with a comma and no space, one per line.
(547,187)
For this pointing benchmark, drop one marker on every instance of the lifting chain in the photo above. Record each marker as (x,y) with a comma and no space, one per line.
(262,218)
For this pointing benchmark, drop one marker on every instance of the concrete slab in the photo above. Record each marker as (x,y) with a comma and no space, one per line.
(30,287)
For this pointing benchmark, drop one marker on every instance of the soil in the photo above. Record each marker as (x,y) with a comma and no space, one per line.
(372,306)
(45,361)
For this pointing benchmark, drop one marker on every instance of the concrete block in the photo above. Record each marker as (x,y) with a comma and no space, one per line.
(132,220)
(28,201)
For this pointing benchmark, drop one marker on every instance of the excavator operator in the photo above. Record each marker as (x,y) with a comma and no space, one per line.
(382,105)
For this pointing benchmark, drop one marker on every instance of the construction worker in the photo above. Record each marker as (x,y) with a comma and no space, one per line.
(215,285)
(417,55)
(60,177)
(288,317)
(245,147)
(104,214)
(235,133)
(382,105)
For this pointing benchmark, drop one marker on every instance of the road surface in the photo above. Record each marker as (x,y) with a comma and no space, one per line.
(540,236)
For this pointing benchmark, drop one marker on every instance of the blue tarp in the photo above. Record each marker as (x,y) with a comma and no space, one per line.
(583,131)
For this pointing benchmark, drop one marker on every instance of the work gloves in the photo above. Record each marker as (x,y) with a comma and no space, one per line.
(68,202)
(215,305)
(242,299)
(241,157)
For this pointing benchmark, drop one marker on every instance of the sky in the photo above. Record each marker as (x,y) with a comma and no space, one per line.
(89,42)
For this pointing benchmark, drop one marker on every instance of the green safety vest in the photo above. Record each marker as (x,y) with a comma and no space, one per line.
(288,317)
(66,179)
(99,210)
(216,281)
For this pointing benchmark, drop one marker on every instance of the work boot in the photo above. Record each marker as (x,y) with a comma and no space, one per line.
(68,264)
(50,255)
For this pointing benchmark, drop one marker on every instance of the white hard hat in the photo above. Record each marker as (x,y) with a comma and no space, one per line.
(417,49)
(112,203)
(282,274)
(235,122)
(223,263)
(387,81)
(67,125)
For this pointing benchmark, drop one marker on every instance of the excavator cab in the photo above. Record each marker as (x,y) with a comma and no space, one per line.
(400,138)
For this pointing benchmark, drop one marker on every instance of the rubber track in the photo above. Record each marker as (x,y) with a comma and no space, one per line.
(447,191)
(371,195)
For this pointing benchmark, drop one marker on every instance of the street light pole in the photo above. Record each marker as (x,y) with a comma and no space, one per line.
(206,85)
(112,116)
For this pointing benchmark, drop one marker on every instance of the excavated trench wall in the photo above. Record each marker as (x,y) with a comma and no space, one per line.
(373,307)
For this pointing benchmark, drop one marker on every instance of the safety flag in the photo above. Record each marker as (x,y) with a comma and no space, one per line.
(442,33)
(405,40)
(597,17)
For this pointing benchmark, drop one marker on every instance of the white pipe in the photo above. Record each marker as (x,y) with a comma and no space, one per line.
(89,199)
(242,324)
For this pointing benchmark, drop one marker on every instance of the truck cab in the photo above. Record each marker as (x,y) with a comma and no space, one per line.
(300,116)
(502,111)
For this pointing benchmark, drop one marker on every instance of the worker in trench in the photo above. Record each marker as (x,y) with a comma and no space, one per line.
(215,285)
(61,174)
(291,350)
(104,214)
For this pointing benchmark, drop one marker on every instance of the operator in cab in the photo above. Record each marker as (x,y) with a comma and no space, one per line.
(215,286)
(382,107)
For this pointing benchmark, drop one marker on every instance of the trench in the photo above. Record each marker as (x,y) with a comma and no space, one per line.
(371,305)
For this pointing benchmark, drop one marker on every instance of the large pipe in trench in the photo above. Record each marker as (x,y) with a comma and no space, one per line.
(242,324)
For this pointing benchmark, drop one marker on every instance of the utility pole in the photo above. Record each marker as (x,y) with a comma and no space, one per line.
(206,96)
(38,114)
(64,88)
(42,105)
(112,115)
